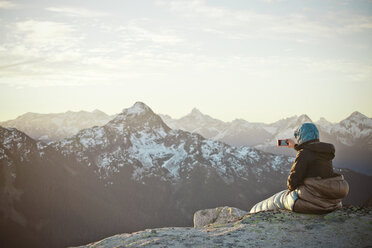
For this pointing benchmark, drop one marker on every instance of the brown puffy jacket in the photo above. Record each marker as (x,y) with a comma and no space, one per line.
(318,196)
(314,159)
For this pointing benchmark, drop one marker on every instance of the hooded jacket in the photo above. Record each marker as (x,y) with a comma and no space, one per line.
(314,159)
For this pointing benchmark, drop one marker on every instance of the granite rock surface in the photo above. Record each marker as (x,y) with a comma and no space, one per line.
(347,227)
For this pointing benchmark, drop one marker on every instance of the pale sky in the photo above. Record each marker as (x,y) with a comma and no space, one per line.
(260,60)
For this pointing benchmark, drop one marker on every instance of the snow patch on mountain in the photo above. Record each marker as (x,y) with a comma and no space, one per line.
(15,142)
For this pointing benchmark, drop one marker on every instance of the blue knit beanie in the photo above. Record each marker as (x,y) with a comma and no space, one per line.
(308,131)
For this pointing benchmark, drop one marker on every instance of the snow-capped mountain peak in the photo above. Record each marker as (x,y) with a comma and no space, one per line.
(196,112)
(238,122)
(137,109)
(292,122)
(197,122)
(132,137)
(98,112)
(323,121)
(324,124)
(304,119)
(139,116)
(357,116)
(357,119)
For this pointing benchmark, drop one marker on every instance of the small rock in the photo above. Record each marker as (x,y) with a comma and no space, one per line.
(220,215)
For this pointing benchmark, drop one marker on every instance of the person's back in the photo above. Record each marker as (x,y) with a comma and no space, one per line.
(320,159)
(314,159)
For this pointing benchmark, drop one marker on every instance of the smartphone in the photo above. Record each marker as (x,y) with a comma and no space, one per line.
(283,142)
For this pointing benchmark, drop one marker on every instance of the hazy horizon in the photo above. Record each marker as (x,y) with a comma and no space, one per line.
(261,60)
(189,112)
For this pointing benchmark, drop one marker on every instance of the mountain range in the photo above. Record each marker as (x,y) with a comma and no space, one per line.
(352,136)
(132,173)
(56,126)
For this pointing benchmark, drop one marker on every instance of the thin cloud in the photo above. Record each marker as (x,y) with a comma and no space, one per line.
(87,52)
(140,33)
(38,49)
(46,33)
(246,24)
(8,5)
(77,12)
(20,63)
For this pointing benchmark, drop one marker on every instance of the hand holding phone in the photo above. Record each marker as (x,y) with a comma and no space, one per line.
(291,143)
(286,142)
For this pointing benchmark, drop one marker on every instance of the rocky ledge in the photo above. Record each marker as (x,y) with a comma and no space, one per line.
(231,227)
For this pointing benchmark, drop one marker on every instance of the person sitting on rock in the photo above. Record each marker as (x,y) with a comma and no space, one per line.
(313,187)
